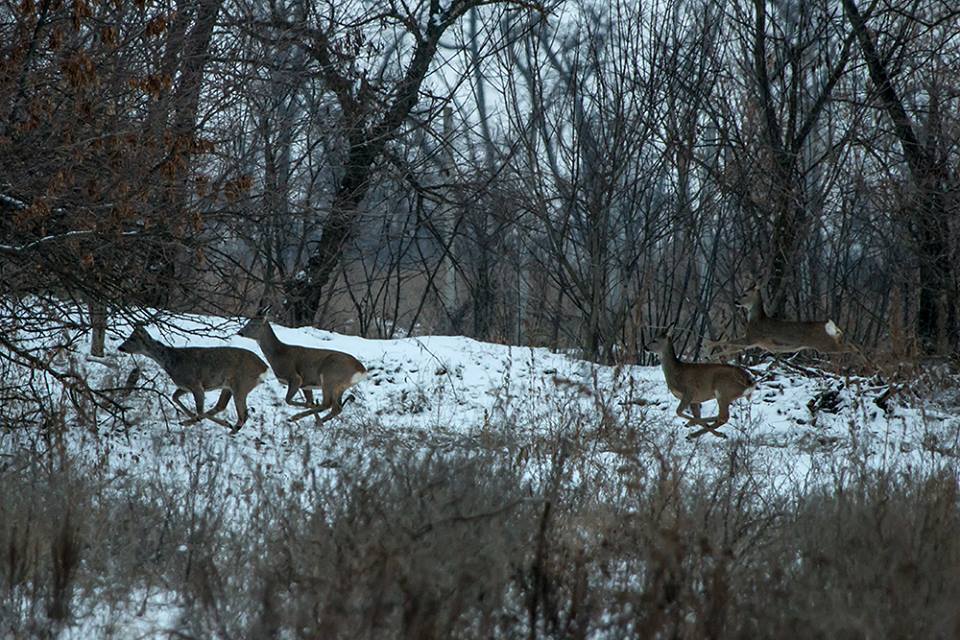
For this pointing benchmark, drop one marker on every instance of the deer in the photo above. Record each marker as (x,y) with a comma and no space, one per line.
(781,336)
(305,369)
(694,383)
(196,370)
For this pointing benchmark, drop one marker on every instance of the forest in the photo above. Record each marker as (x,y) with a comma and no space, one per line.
(496,208)
(556,175)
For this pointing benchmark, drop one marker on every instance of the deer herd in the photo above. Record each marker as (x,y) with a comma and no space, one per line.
(236,372)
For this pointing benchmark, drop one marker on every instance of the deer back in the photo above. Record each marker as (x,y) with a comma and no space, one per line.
(773,335)
(705,381)
(203,367)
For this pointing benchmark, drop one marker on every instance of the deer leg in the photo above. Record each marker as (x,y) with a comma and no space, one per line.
(332,399)
(221,403)
(198,401)
(312,407)
(849,347)
(684,403)
(695,412)
(336,404)
(217,408)
(293,385)
(712,424)
(308,394)
(176,400)
(201,414)
(706,429)
(316,409)
(240,404)
(322,406)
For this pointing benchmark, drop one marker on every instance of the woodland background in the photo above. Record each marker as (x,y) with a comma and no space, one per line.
(565,174)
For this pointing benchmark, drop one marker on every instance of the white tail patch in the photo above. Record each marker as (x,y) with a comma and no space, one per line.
(357,377)
(833,330)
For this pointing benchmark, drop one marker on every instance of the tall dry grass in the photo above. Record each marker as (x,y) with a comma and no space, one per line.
(565,539)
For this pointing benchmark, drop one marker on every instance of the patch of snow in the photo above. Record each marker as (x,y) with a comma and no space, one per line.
(443,392)
(143,614)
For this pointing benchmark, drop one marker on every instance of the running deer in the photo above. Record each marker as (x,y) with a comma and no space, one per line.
(697,382)
(305,369)
(197,370)
(781,336)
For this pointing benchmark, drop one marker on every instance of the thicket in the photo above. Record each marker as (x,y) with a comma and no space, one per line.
(482,542)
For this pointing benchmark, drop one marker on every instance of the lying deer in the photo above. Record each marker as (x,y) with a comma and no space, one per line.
(695,383)
(197,370)
(781,336)
(305,369)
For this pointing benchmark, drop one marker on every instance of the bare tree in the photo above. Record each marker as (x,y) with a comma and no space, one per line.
(374,103)
(930,215)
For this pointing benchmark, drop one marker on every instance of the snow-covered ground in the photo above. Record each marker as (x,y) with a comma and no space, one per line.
(448,391)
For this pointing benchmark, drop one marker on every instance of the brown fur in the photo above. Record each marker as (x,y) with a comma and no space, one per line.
(305,369)
(196,370)
(780,336)
(695,383)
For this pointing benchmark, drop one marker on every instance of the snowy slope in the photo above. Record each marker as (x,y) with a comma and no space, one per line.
(446,393)
(438,391)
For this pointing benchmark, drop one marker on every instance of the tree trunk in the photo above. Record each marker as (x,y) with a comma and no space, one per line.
(448,286)
(98,327)
(930,216)
(186,55)
(305,291)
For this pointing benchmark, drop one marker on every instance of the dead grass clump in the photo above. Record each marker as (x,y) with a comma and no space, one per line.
(417,547)
(470,542)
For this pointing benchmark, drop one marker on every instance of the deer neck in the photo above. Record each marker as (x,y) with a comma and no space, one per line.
(756,313)
(269,342)
(161,353)
(670,365)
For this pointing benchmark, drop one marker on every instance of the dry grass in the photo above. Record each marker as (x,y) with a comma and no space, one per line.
(482,542)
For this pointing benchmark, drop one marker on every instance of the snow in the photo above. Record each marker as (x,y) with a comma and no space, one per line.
(446,392)
(433,388)
(143,615)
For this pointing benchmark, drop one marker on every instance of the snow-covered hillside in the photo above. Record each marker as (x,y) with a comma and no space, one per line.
(204,492)
(438,391)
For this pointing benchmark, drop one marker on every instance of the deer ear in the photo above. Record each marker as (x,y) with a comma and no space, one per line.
(263,311)
(669,331)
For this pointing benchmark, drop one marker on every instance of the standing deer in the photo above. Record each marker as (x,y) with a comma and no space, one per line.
(197,370)
(781,336)
(697,382)
(305,369)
